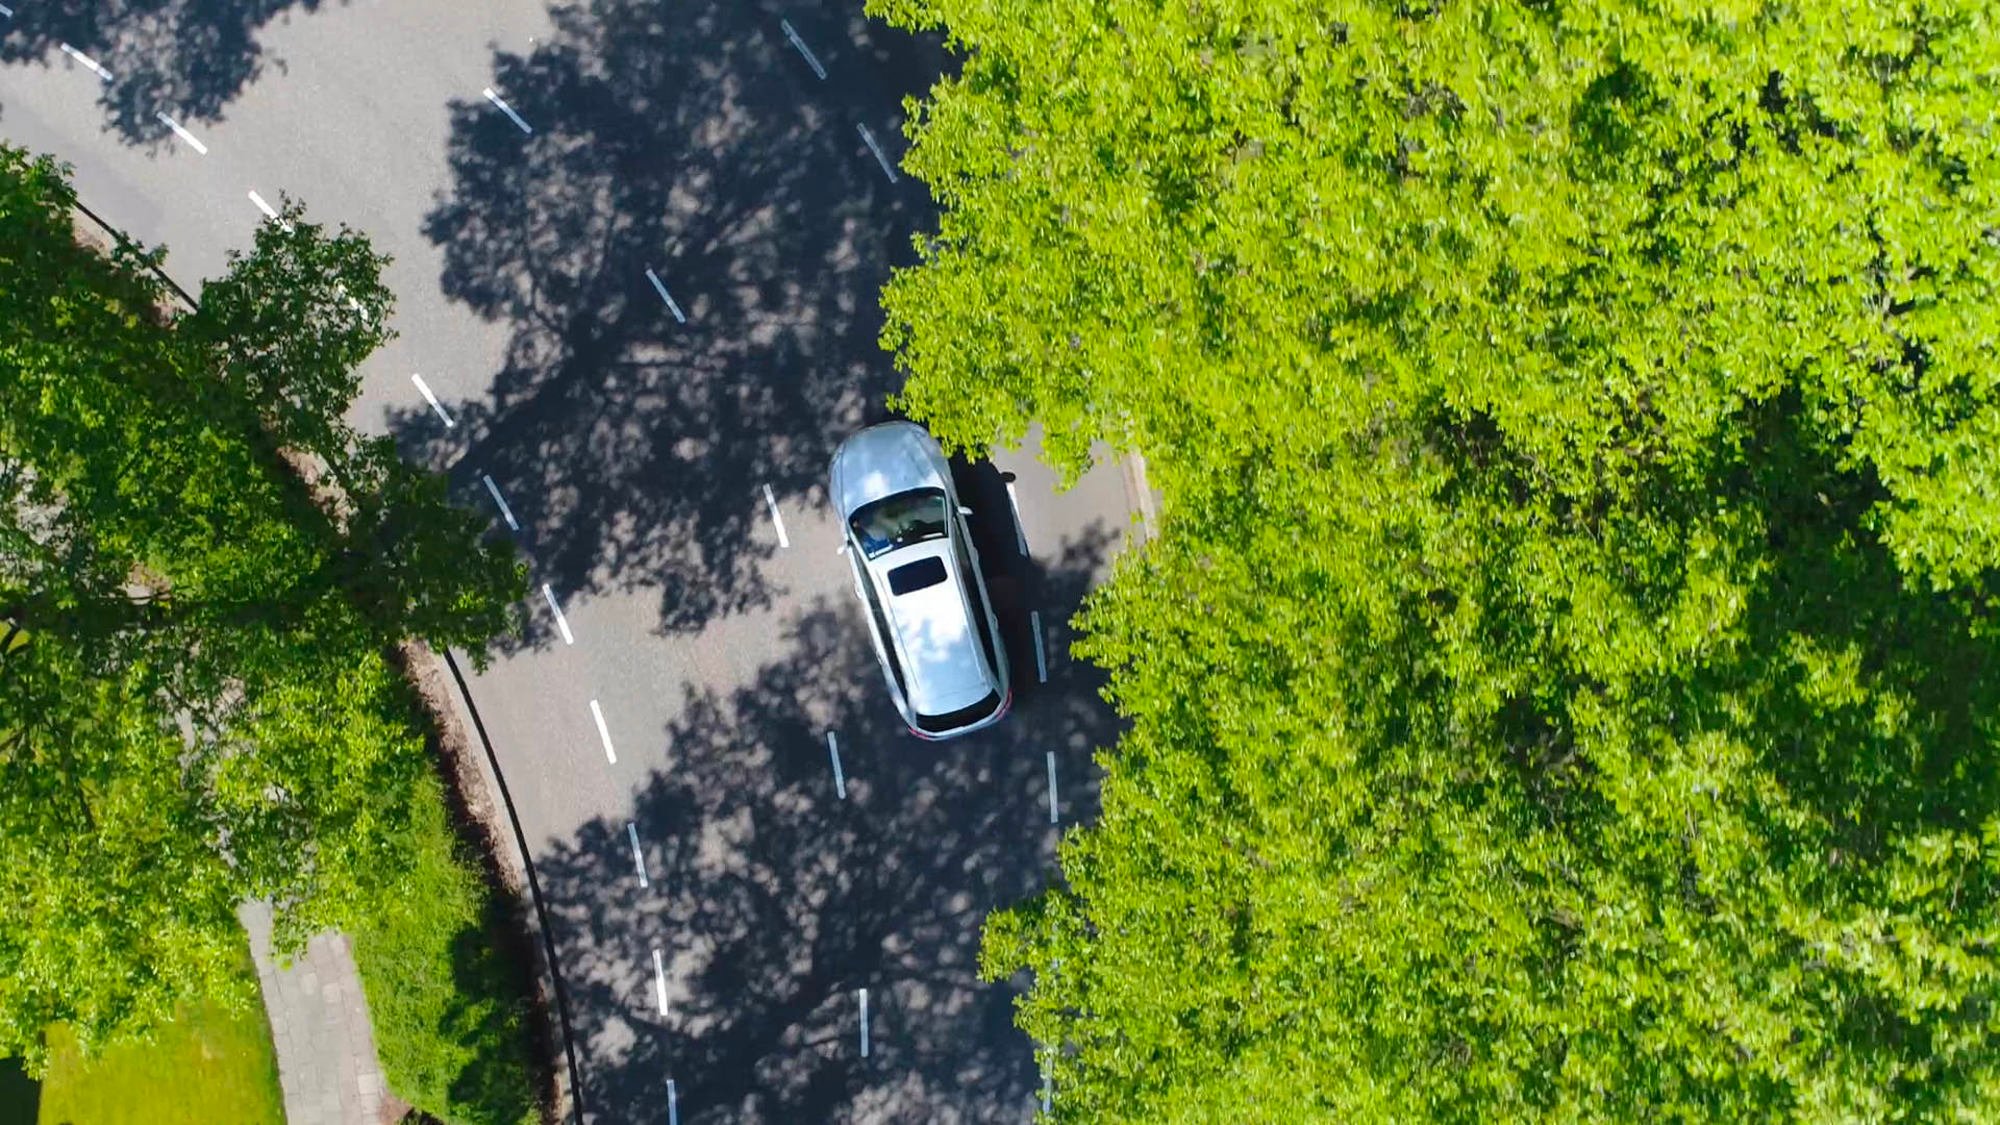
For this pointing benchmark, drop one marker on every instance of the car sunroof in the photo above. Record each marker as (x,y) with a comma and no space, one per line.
(911,577)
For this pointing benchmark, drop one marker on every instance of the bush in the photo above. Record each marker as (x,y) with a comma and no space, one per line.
(449,1007)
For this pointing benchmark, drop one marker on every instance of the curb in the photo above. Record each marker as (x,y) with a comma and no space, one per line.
(187,299)
(1139,494)
(518,865)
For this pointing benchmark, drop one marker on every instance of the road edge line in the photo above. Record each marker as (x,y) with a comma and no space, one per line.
(568,1092)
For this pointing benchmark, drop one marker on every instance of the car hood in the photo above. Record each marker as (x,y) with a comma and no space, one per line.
(883,461)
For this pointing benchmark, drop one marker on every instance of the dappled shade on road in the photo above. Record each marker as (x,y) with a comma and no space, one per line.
(693,141)
(773,899)
(631,447)
(186,58)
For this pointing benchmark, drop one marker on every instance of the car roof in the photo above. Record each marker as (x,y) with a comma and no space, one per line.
(933,632)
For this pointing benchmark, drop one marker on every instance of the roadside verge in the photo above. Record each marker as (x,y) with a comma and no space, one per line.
(477,782)
(447,965)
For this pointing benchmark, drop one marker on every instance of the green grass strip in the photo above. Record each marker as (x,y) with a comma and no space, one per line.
(211,1065)
(448,1007)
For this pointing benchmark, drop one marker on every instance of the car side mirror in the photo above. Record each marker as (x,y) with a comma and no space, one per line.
(843,547)
(964,511)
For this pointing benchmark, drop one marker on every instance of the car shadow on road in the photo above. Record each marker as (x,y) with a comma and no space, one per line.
(185,58)
(772,899)
(693,141)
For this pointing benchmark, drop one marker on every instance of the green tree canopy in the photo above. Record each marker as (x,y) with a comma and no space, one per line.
(195,705)
(1565,684)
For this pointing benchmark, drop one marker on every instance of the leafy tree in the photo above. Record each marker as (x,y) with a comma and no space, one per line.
(195,706)
(1565,684)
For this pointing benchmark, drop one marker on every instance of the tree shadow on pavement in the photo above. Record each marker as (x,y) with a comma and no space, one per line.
(772,900)
(694,141)
(185,58)
(20,1095)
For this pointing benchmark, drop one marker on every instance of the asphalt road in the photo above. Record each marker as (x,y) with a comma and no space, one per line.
(647,454)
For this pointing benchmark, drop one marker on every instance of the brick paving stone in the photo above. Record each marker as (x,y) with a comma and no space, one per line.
(319,1025)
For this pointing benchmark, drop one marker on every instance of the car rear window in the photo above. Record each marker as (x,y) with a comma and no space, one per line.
(919,575)
(939,724)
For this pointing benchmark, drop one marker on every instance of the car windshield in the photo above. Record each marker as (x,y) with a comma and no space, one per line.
(964,716)
(899,520)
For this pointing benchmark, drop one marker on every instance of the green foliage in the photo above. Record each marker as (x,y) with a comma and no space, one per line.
(212,1064)
(202,711)
(1565,685)
(448,1009)
(289,325)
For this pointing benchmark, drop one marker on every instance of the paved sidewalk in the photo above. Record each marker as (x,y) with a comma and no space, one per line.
(319,1021)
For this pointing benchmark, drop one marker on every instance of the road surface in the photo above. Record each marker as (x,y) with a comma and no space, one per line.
(637,247)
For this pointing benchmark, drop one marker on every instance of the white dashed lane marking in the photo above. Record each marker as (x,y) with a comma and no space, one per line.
(812,60)
(86,61)
(661,288)
(660,981)
(501,104)
(603,732)
(868,138)
(562,622)
(864,1023)
(506,513)
(777,520)
(359,308)
(423,388)
(271,213)
(638,857)
(191,140)
(833,752)
(1052,787)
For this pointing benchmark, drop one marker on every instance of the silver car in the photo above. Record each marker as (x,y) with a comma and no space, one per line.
(917,574)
